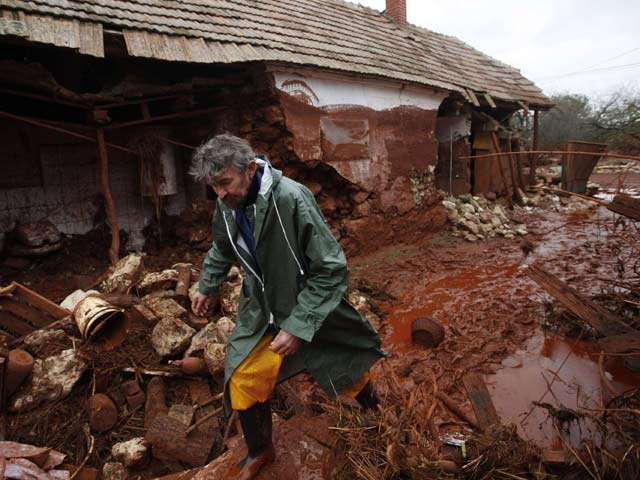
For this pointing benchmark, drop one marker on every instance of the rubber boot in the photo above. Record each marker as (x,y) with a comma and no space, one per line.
(256,426)
(368,397)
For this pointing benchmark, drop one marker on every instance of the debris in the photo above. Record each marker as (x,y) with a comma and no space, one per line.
(123,274)
(169,436)
(166,308)
(171,337)
(145,313)
(156,403)
(192,366)
(213,333)
(74,298)
(42,340)
(19,366)
(457,410)
(134,395)
(603,321)
(114,471)
(52,379)
(184,281)
(35,239)
(153,281)
(103,414)
(100,321)
(133,453)
(427,332)
(625,205)
(214,357)
(480,401)
(22,311)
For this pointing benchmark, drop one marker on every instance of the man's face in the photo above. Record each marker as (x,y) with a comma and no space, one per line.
(232,184)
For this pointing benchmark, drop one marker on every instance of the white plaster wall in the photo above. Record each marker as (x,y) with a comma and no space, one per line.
(330,90)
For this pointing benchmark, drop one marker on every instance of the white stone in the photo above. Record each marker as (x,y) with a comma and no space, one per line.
(123,274)
(114,471)
(132,453)
(214,357)
(467,208)
(171,336)
(53,378)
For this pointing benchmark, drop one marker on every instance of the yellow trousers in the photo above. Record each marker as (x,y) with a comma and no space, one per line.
(255,378)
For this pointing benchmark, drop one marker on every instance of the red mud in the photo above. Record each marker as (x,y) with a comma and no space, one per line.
(492,314)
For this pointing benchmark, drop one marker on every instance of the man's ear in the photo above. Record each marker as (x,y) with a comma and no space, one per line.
(252,166)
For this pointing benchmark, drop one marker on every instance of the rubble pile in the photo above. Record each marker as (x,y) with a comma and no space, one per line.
(476,218)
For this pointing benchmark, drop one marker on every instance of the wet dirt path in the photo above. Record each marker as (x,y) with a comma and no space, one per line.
(493,316)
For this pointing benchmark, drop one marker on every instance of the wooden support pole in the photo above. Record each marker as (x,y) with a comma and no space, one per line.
(496,148)
(533,159)
(106,191)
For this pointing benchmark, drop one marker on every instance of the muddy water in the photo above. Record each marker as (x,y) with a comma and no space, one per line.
(445,297)
(555,371)
(570,367)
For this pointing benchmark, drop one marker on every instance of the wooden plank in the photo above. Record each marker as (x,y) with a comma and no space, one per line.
(483,407)
(473,97)
(626,343)
(14,325)
(625,205)
(91,39)
(35,317)
(603,321)
(40,302)
(489,100)
(507,187)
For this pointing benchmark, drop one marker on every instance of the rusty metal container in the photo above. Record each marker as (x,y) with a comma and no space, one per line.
(427,332)
(100,321)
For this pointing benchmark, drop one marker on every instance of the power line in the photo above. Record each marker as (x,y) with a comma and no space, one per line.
(613,58)
(593,70)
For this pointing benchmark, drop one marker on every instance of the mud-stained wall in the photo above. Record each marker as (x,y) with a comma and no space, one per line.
(375,134)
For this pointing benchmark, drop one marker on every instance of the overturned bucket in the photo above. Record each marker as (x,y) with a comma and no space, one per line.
(101,322)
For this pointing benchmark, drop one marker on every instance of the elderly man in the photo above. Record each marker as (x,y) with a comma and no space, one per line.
(293,313)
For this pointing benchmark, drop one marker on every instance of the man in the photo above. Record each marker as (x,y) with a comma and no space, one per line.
(293,312)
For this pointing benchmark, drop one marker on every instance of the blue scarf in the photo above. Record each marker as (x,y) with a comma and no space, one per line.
(241,216)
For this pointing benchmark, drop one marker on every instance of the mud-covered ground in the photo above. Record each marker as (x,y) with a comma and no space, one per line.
(497,321)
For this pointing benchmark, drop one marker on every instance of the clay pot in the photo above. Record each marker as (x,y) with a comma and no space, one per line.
(427,332)
(103,414)
(19,366)
(194,366)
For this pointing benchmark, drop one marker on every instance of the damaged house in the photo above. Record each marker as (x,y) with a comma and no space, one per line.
(103,101)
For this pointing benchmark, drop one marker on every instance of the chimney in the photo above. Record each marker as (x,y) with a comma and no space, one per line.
(397,11)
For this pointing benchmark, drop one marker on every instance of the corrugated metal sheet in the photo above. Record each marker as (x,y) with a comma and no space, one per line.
(324,33)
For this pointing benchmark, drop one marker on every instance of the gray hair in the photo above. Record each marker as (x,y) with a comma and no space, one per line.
(218,153)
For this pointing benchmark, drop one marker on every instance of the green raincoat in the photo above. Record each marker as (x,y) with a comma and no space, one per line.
(300,286)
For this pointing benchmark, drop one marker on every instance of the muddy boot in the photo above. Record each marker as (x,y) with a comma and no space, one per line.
(368,397)
(256,426)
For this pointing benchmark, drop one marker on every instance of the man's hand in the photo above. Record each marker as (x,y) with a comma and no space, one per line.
(285,343)
(202,304)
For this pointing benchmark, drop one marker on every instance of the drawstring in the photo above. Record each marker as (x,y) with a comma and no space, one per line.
(285,235)
(233,244)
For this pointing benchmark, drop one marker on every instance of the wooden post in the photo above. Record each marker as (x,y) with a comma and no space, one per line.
(533,158)
(496,148)
(106,191)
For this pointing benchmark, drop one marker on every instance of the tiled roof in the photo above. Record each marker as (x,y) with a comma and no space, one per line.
(325,33)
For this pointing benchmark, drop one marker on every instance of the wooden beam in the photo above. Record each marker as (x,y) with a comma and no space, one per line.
(496,148)
(161,118)
(39,123)
(473,97)
(106,191)
(603,321)
(489,100)
(480,400)
(626,205)
(38,301)
(625,343)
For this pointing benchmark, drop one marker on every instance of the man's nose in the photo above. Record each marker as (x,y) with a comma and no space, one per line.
(220,192)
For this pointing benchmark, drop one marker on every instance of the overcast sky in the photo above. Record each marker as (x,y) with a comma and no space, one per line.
(590,47)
